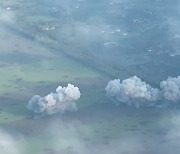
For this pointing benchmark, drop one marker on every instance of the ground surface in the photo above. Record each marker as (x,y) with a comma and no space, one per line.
(34,60)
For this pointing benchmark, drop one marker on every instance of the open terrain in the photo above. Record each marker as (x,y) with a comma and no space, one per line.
(44,46)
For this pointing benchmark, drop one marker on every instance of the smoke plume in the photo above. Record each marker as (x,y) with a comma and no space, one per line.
(132,91)
(171,89)
(61,101)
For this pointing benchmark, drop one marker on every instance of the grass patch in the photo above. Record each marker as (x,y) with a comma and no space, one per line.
(30,75)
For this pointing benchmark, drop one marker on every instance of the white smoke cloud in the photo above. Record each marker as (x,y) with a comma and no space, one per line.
(136,88)
(68,93)
(132,91)
(171,89)
(113,88)
(8,144)
(61,101)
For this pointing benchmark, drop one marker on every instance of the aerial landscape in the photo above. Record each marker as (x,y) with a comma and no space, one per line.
(89,76)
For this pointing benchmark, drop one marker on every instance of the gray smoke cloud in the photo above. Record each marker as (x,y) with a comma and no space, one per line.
(61,101)
(8,144)
(171,89)
(132,91)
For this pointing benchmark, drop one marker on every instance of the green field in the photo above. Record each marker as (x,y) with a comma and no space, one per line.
(35,60)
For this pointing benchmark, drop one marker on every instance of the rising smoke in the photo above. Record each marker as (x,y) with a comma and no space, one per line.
(171,89)
(133,91)
(61,101)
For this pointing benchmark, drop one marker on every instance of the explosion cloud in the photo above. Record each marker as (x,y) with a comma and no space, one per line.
(132,91)
(171,89)
(61,101)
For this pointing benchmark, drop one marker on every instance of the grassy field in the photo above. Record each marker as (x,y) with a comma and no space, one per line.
(25,76)
(29,66)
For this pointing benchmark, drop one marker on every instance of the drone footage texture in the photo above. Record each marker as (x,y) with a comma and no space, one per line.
(89,76)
